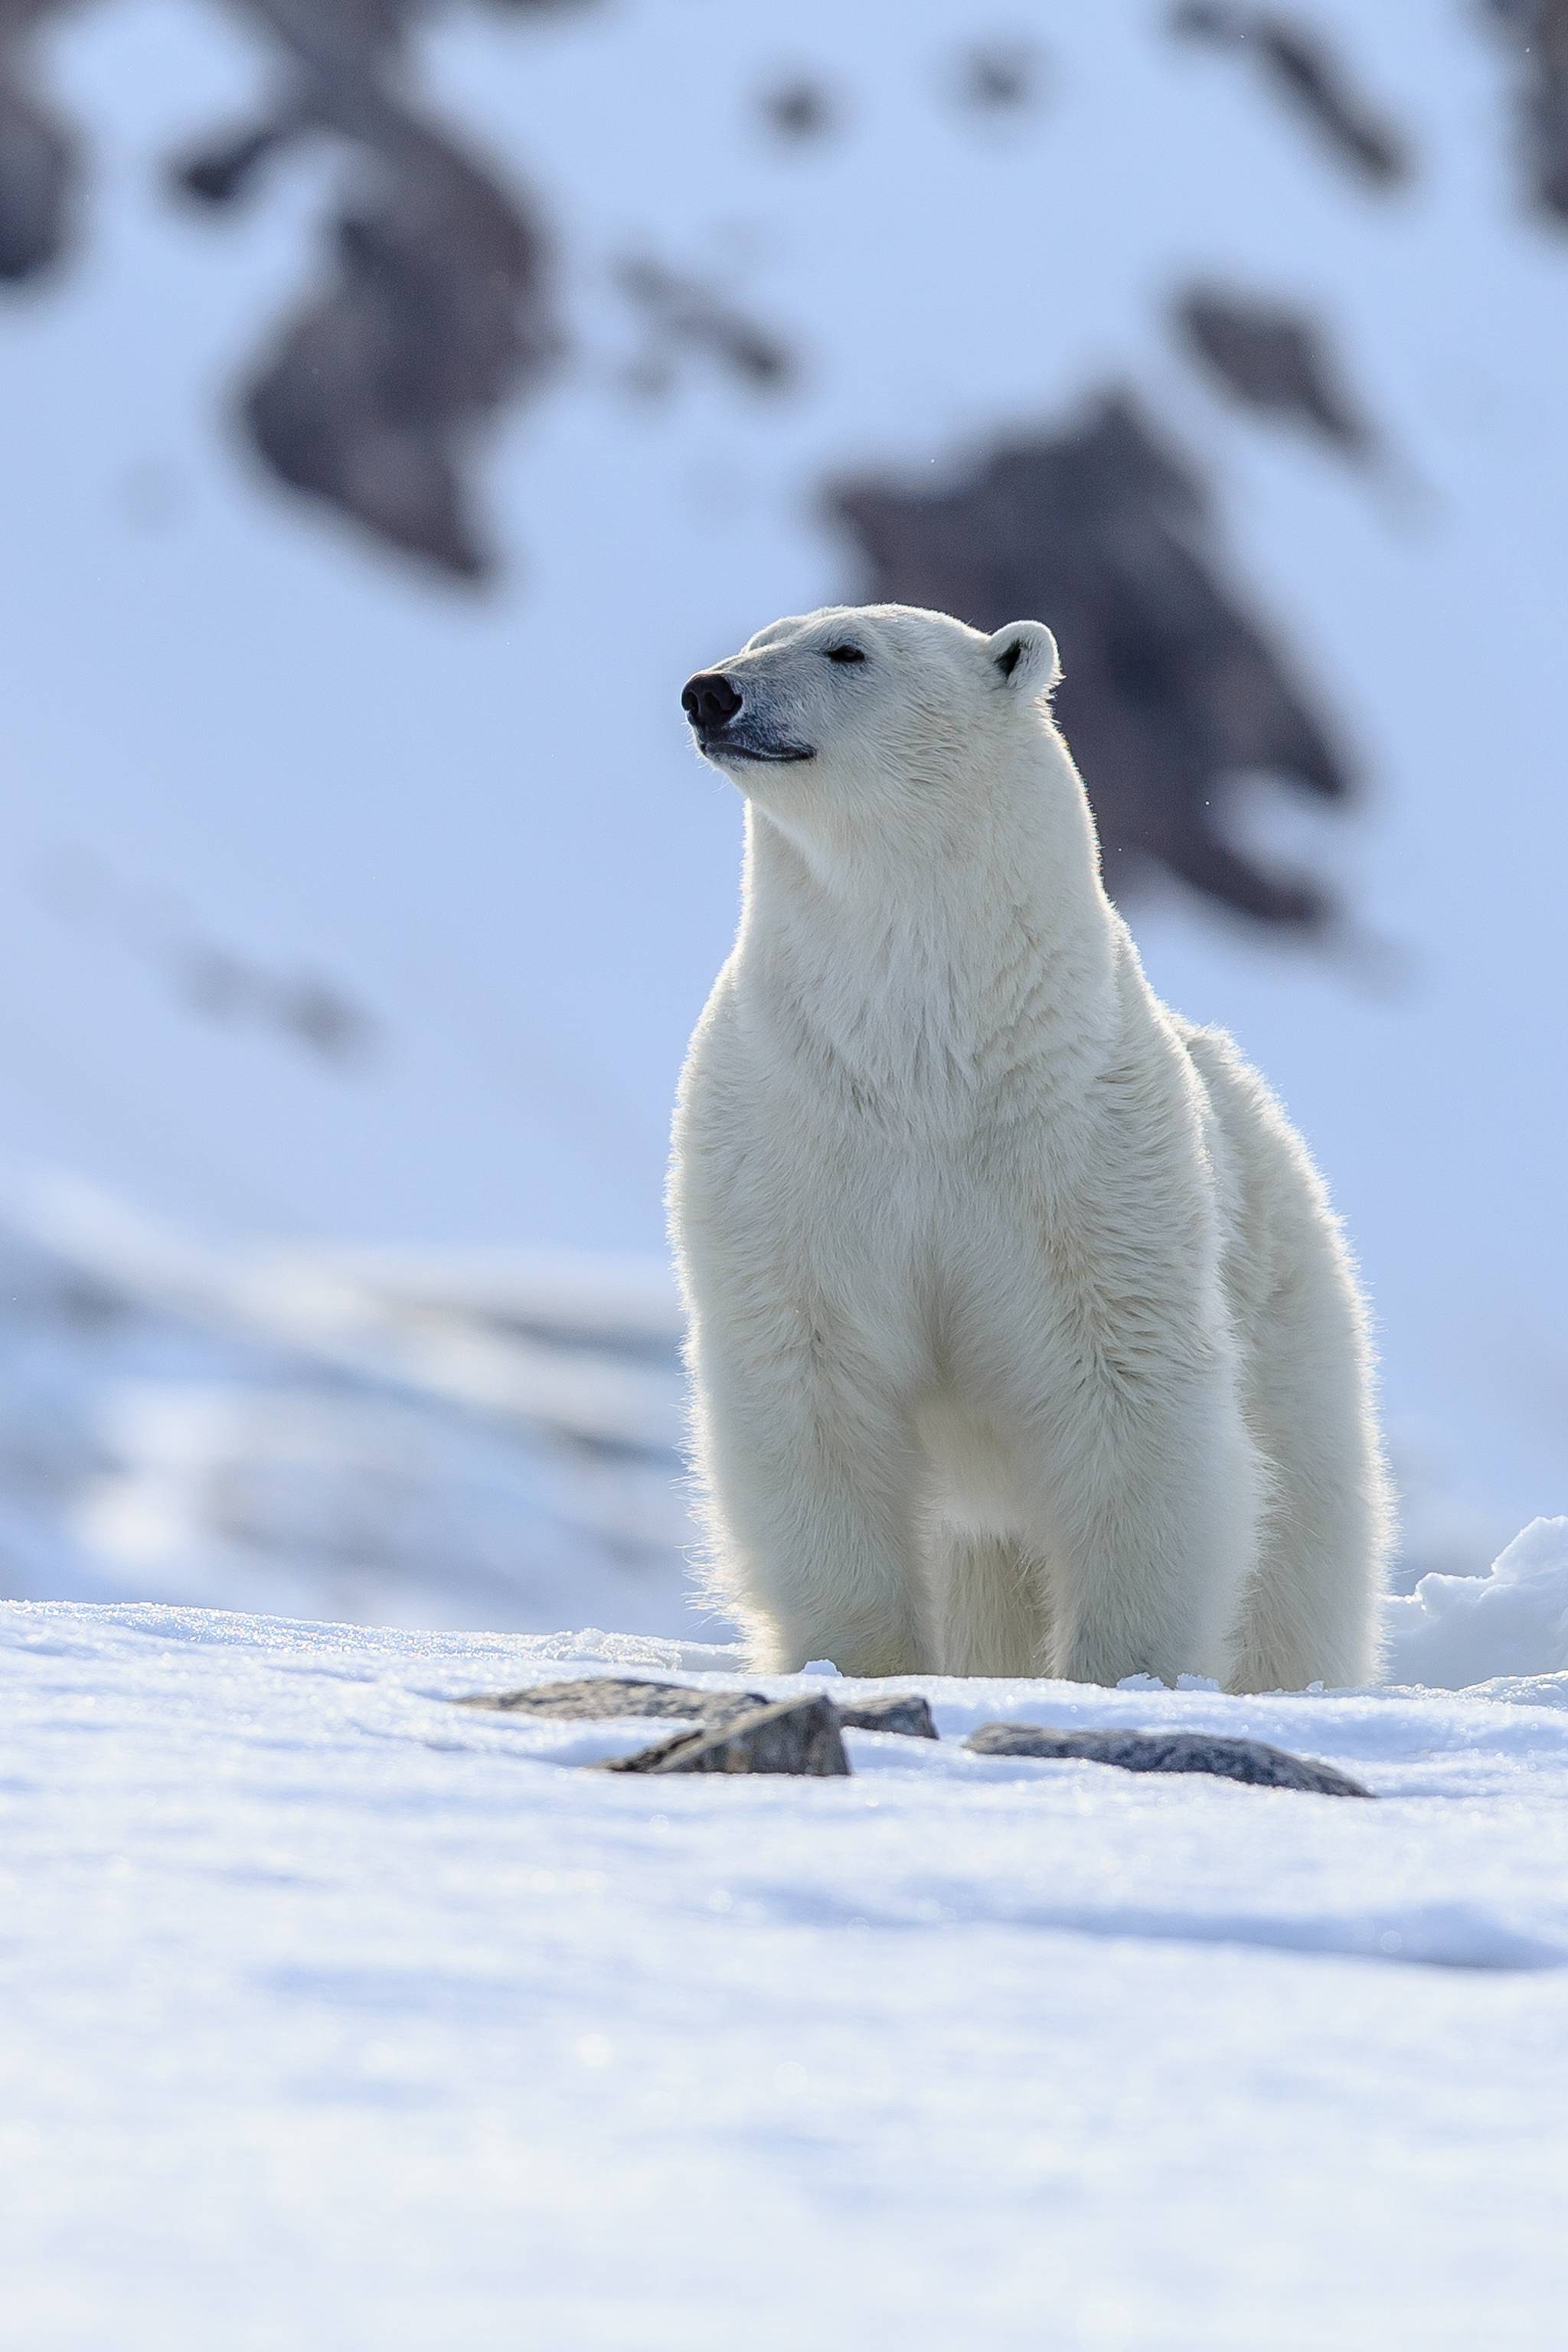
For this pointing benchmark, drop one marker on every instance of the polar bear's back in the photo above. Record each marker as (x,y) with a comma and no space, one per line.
(1274,1203)
(1306,1378)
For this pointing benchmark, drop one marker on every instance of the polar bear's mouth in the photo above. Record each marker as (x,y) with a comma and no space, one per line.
(725,747)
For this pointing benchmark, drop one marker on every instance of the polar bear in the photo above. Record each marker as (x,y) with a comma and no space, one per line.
(1023,1338)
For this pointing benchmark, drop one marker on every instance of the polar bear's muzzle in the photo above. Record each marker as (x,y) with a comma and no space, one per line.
(731,723)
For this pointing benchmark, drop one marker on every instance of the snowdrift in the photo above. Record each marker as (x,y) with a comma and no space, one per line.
(1511,1622)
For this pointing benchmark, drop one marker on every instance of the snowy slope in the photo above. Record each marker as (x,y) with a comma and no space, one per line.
(228,727)
(393,1438)
(334,2016)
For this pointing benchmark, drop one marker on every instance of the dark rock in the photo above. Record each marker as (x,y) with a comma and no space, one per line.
(1171,691)
(902,1711)
(1276,360)
(593,1698)
(40,164)
(1169,1752)
(311,1012)
(437,305)
(1540,30)
(1301,68)
(681,311)
(800,109)
(1000,77)
(797,1735)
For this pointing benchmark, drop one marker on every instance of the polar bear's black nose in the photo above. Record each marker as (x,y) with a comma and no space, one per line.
(709,699)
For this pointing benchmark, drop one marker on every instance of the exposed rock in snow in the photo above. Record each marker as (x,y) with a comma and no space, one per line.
(604,1697)
(595,1698)
(793,1735)
(905,1712)
(1252,1760)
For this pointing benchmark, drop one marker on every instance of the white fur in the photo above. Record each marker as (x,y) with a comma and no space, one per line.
(1023,1338)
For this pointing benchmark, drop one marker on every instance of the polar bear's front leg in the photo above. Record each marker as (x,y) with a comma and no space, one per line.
(808,1473)
(1153,1510)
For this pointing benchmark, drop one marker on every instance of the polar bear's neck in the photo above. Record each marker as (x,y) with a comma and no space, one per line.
(982,938)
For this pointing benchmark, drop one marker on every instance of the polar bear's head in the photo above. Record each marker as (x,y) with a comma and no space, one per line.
(858,707)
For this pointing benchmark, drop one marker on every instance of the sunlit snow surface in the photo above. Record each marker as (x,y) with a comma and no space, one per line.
(337,2016)
(1454,1630)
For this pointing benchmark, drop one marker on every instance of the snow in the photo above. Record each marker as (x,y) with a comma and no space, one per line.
(334,2015)
(408,1437)
(1454,1630)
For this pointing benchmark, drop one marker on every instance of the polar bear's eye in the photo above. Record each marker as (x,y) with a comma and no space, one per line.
(845,654)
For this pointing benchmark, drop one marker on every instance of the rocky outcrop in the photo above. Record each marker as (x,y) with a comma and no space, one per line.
(1172,691)
(905,1712)
(797,1736)
(599,1699)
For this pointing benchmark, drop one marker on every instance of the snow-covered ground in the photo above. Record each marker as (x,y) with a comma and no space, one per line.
(334,2016)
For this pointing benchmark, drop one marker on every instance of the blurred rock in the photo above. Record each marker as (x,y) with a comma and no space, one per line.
(800,110)
(1539,31)
(326,1020)
(38,156)
(1276,360)
(1171,689)
(1000,78)
(596,1698)
(679,312)
(1252,1760)
(1305,72)
(436,309)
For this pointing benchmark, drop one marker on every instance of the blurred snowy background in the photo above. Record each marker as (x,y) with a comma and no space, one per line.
(400,400)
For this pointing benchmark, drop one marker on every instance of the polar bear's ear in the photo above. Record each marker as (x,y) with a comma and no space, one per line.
(1024,655)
